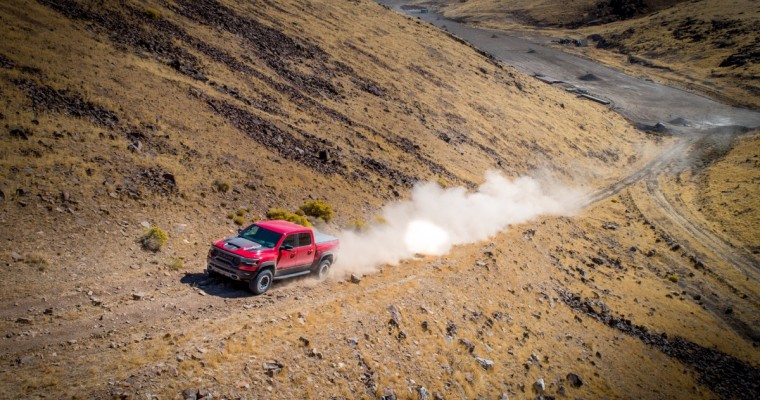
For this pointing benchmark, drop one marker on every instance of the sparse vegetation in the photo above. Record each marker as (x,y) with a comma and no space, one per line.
(37,261)
(239,220)
(151,13)
(283,214)
(221,186)
(154,239)
(442,183)
(175,264)
(318,209)
(357,225)
(673,278)
(380,220)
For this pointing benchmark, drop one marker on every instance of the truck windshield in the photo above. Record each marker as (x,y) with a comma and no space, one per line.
(261,236)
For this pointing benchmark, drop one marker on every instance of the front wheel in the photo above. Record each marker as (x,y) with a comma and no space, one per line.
(323,269)
(262,282)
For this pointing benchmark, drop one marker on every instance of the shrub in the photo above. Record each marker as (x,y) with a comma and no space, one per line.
(151,13)
(240,212)
(230,215)
(318,209)
(175,264)
(442,183)
(279,213)
(358,225)
(673,278)
(37,261)
(380,220)
(239,220)
(153,239)
(222,186)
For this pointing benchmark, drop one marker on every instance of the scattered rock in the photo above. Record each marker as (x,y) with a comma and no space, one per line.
(388,394)
(355,278)
(272,367)
(304,342)
(467,344)
(610,226)
(20,133)
(16,256)
(395,316)
(25,360)
(138,296)
(190,394)
(485,363)
(314,353)
(24,320)
(539,385)
(423,393)
(574,380)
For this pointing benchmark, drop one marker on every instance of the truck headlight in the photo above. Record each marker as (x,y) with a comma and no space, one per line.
(249,262)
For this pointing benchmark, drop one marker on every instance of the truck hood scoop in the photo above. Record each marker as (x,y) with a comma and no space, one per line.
(240,243)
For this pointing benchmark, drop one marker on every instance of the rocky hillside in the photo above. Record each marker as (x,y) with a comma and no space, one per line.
(120,116)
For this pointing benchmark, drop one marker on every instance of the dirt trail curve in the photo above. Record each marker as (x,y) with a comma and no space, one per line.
(687,116)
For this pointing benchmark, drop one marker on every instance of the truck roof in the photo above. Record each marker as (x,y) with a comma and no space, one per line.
(281,226)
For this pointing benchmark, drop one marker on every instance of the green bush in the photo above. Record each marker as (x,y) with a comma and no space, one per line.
(222,186)
(239,220)
(358,225)
(175,264)
(151,13)
(240,212)
(673,278)
(154,239)
(280,213)
(318,209)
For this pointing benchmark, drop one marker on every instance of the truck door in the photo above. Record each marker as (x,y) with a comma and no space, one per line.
(305,250)
(288,258)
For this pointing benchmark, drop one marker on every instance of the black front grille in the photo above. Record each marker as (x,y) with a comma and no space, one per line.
(227,258)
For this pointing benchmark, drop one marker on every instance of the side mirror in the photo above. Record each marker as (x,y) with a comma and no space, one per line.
(286,247)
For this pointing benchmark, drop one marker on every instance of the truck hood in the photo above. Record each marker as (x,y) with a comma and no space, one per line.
(237,243)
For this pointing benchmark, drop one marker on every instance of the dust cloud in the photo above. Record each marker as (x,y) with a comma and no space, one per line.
(436,218)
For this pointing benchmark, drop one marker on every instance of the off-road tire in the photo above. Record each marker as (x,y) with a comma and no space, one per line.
(323,269)
(262,282)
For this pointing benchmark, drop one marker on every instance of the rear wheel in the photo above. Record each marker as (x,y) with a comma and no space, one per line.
(323,269)
(262,282)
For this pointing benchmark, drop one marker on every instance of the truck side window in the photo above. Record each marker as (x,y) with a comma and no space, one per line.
(304,239)
(291,240)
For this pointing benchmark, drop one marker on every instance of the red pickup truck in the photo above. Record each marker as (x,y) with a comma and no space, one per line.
(272,250)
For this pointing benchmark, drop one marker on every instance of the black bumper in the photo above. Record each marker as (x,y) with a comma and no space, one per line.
(229,272)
